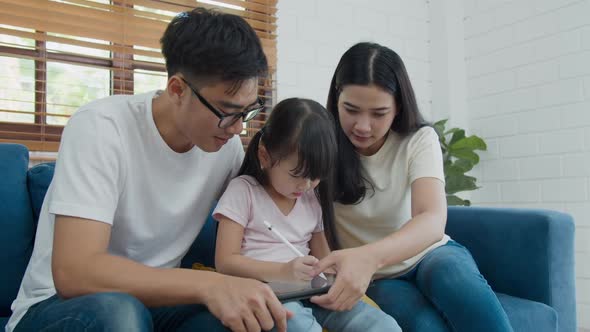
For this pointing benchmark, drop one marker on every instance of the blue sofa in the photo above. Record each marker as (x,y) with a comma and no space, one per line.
(527,256)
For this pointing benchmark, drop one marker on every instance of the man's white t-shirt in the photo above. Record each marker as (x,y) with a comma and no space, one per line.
(400,161)
(114,167)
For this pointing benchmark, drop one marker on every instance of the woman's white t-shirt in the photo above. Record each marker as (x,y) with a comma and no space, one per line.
(391,170)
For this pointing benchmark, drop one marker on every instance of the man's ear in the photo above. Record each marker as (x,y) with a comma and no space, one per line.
(264,157)
(175,88)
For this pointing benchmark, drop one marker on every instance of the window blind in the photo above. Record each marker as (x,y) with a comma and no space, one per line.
(56,55)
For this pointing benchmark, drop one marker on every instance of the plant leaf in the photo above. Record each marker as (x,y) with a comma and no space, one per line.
(464,165)
(439,127)
(452,130)
(453,170)
(467,154)
(457,183)
(459,157)
(457,136)
(472,143)
(441,123)
(454,200)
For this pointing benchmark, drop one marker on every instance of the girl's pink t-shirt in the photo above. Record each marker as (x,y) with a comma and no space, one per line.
(247,203)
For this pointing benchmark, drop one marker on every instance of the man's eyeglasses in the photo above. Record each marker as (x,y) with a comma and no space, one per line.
(227,120)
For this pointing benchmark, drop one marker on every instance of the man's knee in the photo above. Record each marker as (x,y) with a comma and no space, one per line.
(120,312)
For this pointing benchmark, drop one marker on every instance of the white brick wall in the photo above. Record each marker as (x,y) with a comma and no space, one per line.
(528,81)
(313,35)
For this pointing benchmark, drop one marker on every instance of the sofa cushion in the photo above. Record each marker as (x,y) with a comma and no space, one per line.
(3,321)
(202,250)
(16,222)
(38,180)
(526,315)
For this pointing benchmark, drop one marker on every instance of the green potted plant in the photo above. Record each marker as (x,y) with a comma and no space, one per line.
(459,157)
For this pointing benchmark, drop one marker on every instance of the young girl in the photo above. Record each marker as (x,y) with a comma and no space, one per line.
(286,179)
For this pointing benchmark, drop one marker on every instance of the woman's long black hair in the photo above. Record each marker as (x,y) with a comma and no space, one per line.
(304,127)
(369,64)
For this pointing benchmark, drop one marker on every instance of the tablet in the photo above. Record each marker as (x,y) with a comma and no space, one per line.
(292,291)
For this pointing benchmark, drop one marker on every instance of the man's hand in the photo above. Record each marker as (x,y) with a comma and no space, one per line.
(246,305)
(301,268)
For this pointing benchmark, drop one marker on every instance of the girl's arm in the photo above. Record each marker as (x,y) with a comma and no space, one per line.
(318,245)
(319,248)
(229,260)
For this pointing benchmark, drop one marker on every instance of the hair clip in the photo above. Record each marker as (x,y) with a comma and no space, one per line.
(182,15)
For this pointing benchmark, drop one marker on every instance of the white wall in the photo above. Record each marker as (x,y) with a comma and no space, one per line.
(313,35)
(516,72)
(447,63)
(528,83)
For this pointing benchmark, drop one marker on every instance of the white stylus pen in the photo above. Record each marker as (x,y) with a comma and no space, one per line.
(286,242)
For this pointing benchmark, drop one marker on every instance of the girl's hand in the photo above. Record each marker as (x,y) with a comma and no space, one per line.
(301,268)
(354,269)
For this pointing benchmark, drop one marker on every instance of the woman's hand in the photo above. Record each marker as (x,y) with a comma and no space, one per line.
(354,269)
(301,268)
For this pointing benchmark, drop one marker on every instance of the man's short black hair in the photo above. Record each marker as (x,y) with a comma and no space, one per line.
(209,45)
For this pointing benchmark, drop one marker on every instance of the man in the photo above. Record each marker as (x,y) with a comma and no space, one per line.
(135,179)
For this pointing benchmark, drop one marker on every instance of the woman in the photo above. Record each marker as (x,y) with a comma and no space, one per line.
(390,213)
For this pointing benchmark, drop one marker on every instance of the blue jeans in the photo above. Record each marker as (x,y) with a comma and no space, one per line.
(444,292)
(362,317)
(114,312)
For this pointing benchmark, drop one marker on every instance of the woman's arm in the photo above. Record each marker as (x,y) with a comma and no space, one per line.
(427,226)
(356,266)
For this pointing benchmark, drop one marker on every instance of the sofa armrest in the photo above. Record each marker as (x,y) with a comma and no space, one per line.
(522,252)
(16,222)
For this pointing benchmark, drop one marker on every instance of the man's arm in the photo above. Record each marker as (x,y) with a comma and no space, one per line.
(82,265)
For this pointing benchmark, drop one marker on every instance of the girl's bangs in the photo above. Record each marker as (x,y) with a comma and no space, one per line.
(317,159)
